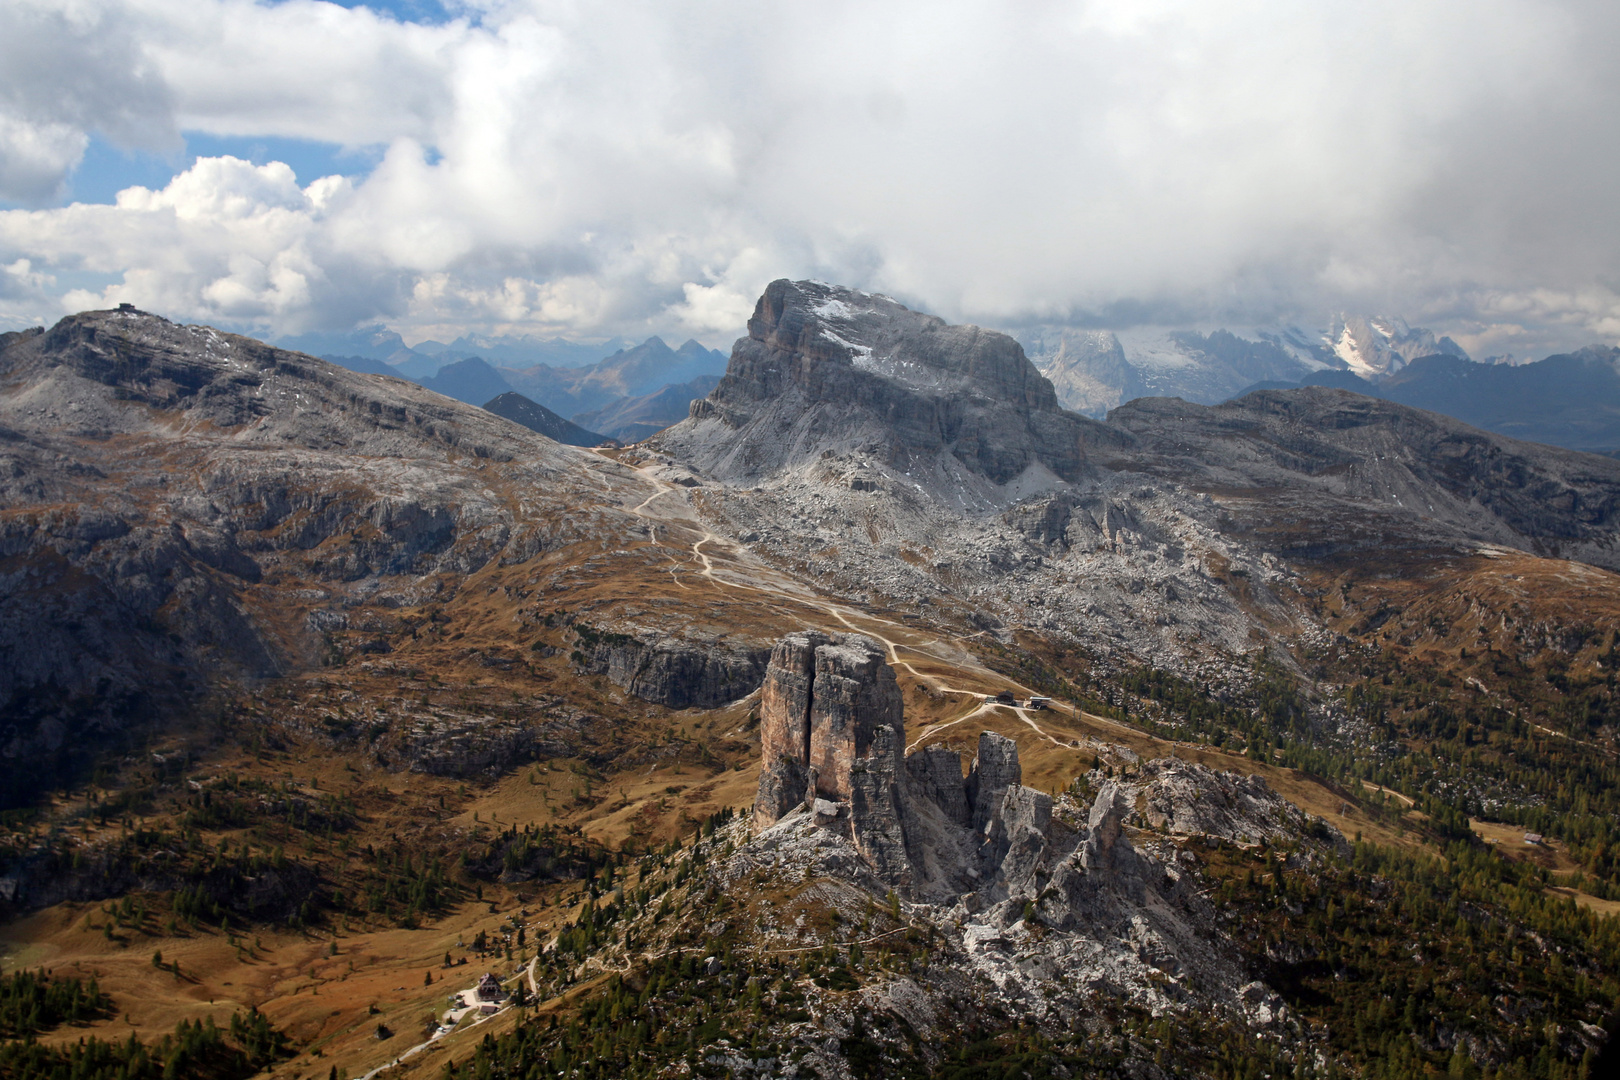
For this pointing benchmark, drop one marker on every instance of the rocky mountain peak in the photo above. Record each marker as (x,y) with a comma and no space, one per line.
(822,323)
(1087,368)
(1373,346)
(833,370)
(832,735)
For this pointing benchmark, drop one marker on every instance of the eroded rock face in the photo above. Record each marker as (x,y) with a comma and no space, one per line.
(994,771)
(877,804)
(680,674)
(833,746)
(784,725)
(833,731)
(1043,896)
(1194,800)
(855,718)
(1049,896)
(822,362)
(935,774)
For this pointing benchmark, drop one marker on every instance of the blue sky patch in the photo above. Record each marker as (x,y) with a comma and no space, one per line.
(417,11)
(107,169)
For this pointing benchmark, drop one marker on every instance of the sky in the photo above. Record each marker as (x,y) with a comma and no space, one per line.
(622,167)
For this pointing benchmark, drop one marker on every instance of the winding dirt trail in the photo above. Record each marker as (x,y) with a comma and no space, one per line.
(744,573)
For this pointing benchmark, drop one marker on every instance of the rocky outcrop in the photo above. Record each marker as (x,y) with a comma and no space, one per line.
(832,738)
(1018,840)
(994,771)
(935,776)
(1194,800)
(855,715)
(784,727)
(989,853)
(678,673)
(1044,897)
(832,749)
(1103,826)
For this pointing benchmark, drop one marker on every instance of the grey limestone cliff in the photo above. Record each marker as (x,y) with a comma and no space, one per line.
(832,735)
(1042,896)
(676,671)
(827,367)
(832,738)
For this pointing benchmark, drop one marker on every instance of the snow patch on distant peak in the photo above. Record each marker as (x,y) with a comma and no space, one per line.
(1373,346)
(1153,348)
(840,309)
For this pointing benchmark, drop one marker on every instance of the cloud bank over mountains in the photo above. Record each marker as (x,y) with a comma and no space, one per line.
(593,169)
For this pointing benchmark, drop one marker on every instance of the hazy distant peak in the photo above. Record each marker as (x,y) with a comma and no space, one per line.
(372,342)
(1374,346)
(692,348)
(654,352)
(1087,368)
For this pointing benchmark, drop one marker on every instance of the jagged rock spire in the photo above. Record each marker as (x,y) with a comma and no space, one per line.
(832,732)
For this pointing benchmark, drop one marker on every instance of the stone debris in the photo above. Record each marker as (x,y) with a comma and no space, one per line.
(1194,800)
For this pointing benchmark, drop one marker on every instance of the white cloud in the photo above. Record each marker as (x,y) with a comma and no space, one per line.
(66,69)
(226,241)
(557,167)
(37,157)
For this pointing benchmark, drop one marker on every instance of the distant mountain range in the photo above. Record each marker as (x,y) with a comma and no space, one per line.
(645,369)
(627,395)
(1570,400)
(1096,370)
(426,357)
(632,419)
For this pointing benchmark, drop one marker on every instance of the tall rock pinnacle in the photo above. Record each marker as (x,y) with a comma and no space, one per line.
(832,735)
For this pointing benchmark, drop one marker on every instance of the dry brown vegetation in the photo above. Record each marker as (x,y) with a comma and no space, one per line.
(628,774)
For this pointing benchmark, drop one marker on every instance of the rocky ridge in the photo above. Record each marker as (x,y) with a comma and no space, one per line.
(182,511)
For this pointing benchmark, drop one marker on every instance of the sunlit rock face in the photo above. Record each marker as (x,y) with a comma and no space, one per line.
(833,740)
(833,733)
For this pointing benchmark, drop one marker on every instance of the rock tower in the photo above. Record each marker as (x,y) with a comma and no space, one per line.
(833,739)
(833,736)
